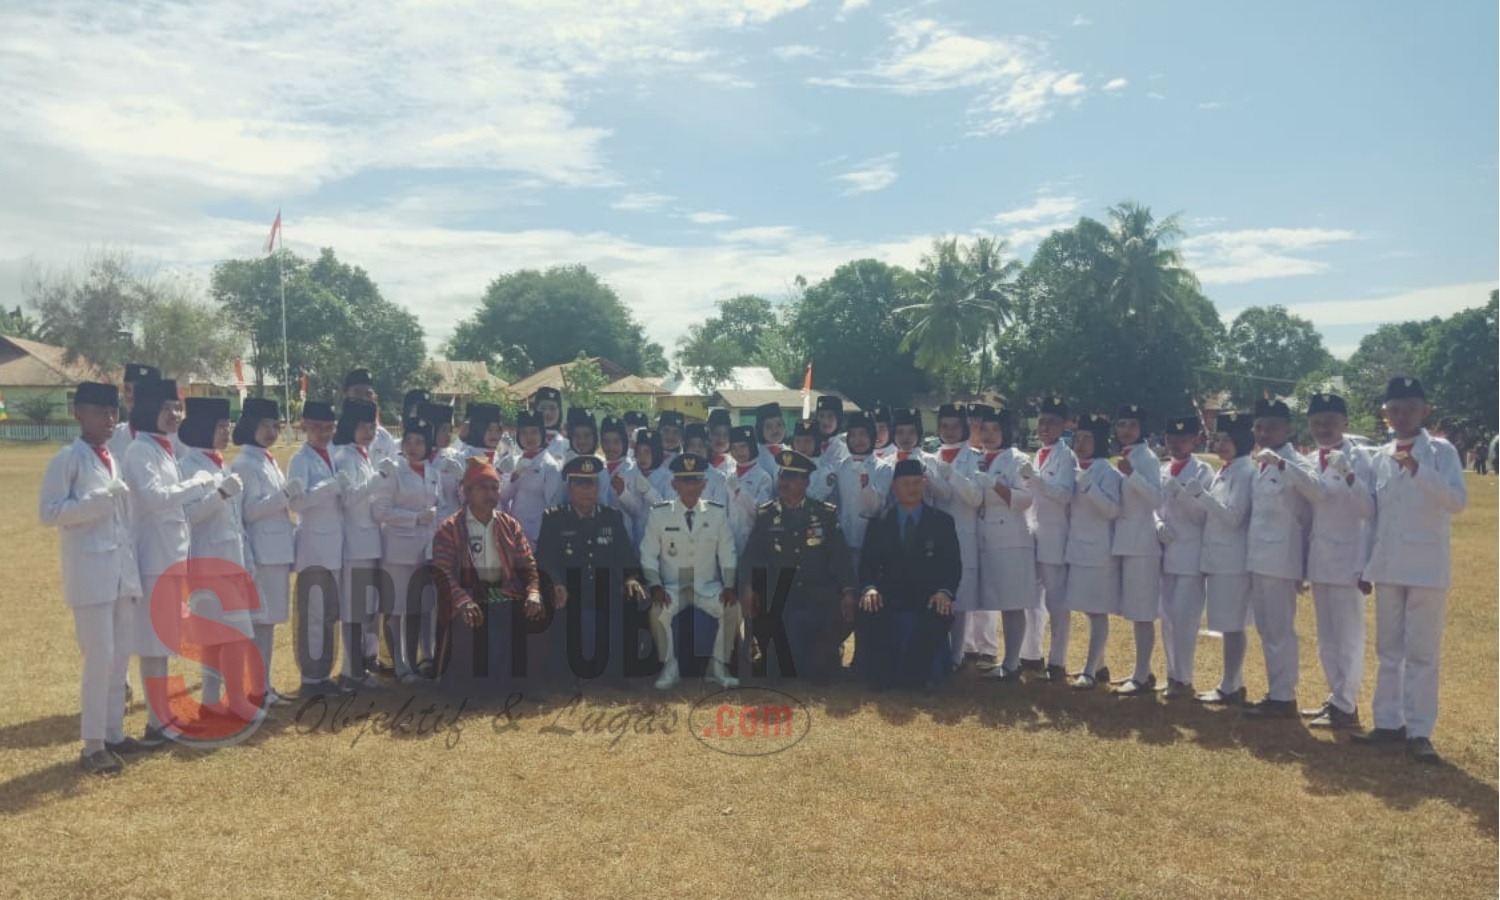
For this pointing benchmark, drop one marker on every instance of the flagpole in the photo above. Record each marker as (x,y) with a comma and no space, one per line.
(286,382)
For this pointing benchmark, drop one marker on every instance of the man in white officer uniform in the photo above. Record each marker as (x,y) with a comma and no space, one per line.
(1419,488)
(84,498)
(688,558)
(1342,495)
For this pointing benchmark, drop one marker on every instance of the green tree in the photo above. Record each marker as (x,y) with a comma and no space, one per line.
(92,314)
(1457,364)
(17,324)
(1385,353)
(582,381)
(530,319)
(1269,349)
(1148,283)
(846,325)
(36,410)
(961,301)
(736,336)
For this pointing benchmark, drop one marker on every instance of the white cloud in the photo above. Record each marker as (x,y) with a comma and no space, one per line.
(1235,257)
(1211,104)
(1155,95)
(1012,79)
(1044,207)
(874,174)
(725,79)
(643,201)
(795,51)
(1080,20)
(1420,303)
(849,6)
(1115,84)
(709,218)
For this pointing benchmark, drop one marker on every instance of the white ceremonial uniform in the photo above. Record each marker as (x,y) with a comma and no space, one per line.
(1051,492)
(538,485)
(119,442)
(1135,540)
(1226,538)
(693,565)
(1007,551)
(747,491)
(159,496)
(1410,565)
(822,484)
(268,527)
(359,585)
(318,559)
(557,445)
(406,505)
(975,629)
(217,531)
(1093,584)
(884,453)
(938,492)
(1180,531)
(1276,558)
(100,578)
(384,446)
(637,498)
(1336,553)
(449,463)
(861,484)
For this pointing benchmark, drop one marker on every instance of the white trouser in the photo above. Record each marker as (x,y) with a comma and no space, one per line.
(1408,639)
(104,634)
(1054,580)
(1182,599)
(1341,641)
(682,598)
(974,632)
(1274,602)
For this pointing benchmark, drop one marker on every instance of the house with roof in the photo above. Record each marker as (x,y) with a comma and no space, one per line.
(552,377)
(746,388)
(460,381)
(32,369)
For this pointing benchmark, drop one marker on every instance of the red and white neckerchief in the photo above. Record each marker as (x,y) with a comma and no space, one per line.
(901,455)
(743,469)
(1126,451)
(1264,465)
(1085,463)
(1406,447)
(1178,465)
(102,452)
(1041,456)
(530,454)
(949,454)
(613,464)
(419,467)
(269,457)
(989,460)
(323,453)
(774,448)
(216,456)
(363,452)
(717,461)
(164,444)
(1323,458)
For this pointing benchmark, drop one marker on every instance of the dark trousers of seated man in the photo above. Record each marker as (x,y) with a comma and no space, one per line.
(902,645)
(505,653)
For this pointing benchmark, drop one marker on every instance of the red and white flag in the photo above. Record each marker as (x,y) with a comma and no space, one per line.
(807,403)
(239,378)
(275,234)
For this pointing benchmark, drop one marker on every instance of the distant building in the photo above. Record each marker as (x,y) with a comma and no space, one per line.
(459,380)
(31,369)
(552,376)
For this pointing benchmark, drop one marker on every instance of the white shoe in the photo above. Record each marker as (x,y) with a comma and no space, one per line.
(668,677)
(719,675)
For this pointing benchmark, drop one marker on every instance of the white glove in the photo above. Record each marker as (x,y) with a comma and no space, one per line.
(945,470)
(231,485)
(1267,457)
(1339,463)
(427,516)
(203,477)
(295,488)
(506,465)
(117,487)
(1173,487)
(344,481)
(451,465)
(1164,533)
(1028,471)
(387,466)
(985,480)
(642,485)
(1194,489)
(732,481)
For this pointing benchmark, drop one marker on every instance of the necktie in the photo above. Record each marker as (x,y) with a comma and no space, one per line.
(690,520)
(905,518)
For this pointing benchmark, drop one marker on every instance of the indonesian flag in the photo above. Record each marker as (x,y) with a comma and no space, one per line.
(239,378)
(807,393)
(275,233)
(303,387)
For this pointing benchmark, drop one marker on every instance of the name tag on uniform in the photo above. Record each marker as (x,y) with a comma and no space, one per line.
(671,528)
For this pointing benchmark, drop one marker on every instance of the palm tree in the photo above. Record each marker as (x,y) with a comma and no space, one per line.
(1147,277)
(962,299)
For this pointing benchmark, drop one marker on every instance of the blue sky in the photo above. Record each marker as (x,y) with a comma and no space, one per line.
(1339,158)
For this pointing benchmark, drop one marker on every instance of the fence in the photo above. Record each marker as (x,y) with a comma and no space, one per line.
(25,431)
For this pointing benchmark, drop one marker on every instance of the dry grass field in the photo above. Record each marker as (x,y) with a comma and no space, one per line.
(984,791)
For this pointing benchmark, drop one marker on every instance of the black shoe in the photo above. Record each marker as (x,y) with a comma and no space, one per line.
(1379,736)
(1420,750)
(1084,682)
(311,689)
(1134,688)
(1217,697)
(1335,718)
(101,762)
(427,668)
(1176,690)
(153,739)
(1033,665)
(127,747)
(1272,709)
(1003,675)
(985,662)
(1056,675)
(970,657)
(1102,676)
(1318,712)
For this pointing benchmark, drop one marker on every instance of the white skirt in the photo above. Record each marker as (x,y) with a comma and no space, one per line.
(274,584)
(407,578)
(1007,579)
(146,638)
(1140,588)
(1094,589)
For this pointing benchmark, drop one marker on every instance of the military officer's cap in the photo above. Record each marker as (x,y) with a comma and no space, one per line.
(546,393)
(1053,406)
(908,466)
(1132,411)
(1403,387)
(357,377)
(793,463)
(830,403)
(1272,409)
(94,393)
(688,465)
(582,468)
(140,372)
(1183,425)
(1325,402)
(318,411)
(719,417)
